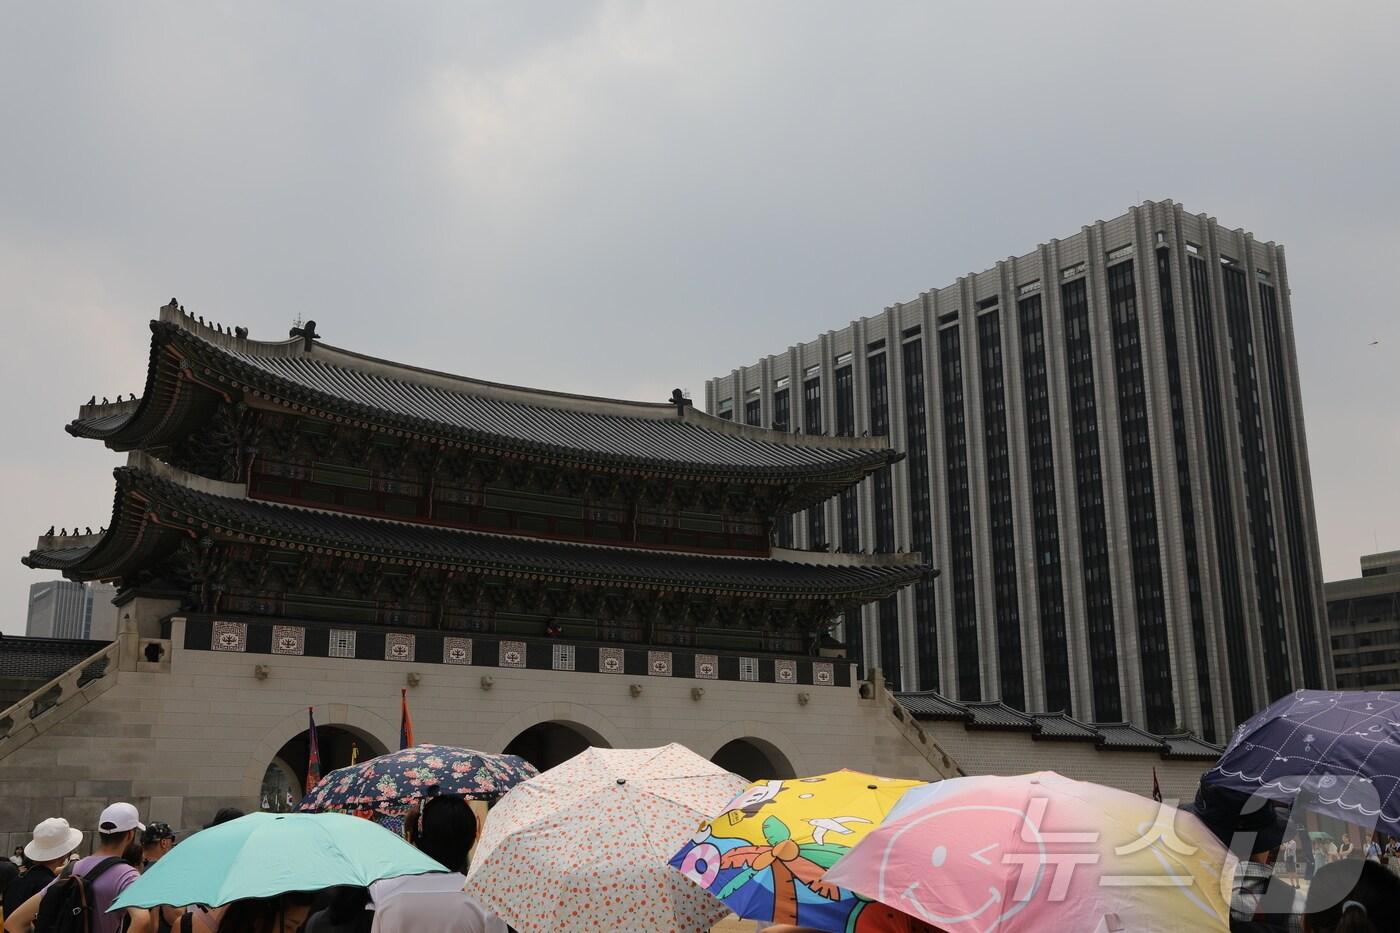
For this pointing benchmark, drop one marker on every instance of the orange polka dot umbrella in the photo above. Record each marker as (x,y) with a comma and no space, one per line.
(585,846)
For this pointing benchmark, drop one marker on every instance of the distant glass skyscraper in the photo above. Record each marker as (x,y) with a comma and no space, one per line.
(1106,459)
(64,609)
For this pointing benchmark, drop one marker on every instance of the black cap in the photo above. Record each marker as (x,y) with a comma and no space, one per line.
(1246,823)
(156,831)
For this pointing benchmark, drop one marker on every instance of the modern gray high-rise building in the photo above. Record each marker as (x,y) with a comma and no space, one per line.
(64,609)
(1106,460)
(1364,613)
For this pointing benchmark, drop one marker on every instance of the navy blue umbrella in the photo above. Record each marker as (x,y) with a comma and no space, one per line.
(1337,752)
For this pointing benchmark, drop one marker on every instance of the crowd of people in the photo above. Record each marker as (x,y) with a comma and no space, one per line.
(444,828)
(1355,889)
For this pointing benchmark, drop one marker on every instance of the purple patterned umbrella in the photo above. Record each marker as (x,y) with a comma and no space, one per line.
(390,784)
(1337,752)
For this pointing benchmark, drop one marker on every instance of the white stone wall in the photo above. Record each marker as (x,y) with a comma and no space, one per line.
(182,742)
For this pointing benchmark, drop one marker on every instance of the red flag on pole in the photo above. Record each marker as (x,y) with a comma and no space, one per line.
(405,721)
(1156,788)
(313,753)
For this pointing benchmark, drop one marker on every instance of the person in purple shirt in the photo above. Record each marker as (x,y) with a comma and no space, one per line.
(118,828)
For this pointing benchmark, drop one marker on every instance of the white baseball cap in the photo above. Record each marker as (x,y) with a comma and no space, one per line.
(53,838)
(119,818)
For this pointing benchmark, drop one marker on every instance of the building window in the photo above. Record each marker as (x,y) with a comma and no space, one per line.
(853,633)
(782,414)
(1088,475)
(753,412)
(1049,583)
(726,409)
(889,643)
(959,510)
(1299,545)
(1154,654)
(845,403)
(1273,633)
(921,514)
(999,511)
(879,384)
(342,644)
(882,491)
(816,528)
(1186,492)
(848,504)
(812,406)
(1227,556)
(782,531)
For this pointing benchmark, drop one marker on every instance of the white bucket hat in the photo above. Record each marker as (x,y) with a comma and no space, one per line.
(53,838)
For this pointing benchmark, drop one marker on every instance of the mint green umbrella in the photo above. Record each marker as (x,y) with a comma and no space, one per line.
(265,854)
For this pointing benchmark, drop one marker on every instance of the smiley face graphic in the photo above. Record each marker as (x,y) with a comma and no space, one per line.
(962,846)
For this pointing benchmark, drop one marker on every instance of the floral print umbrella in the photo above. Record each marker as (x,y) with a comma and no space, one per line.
(389,785)
(583,847)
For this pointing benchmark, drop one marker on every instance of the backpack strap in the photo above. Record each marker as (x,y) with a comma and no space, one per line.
(101,868)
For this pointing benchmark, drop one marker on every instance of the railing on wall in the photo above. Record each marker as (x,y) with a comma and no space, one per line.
(944,764)
(52,703)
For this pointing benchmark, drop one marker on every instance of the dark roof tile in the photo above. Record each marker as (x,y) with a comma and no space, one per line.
(1184,745)
(479,551)
(931,705)
(1126,736)
(1059,726)
(994,714)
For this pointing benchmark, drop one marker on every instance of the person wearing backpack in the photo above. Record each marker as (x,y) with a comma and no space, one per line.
(77,901)
(47,854)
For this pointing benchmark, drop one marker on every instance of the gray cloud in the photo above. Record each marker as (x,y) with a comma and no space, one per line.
(619,198)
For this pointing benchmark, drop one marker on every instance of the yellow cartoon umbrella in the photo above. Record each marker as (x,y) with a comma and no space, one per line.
(764,855)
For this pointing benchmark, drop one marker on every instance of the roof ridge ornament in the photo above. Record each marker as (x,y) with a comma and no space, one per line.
(681,401)
(307,333)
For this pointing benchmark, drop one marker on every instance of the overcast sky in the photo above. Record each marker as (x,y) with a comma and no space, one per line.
(619,198)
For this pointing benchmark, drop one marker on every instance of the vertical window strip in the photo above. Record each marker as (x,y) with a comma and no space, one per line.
(1269,596)
(968,658)
(1298,543)
(1227,555)
(921,515)
(1185,493)
(1054,645)
(889,643)
(1154,654)
(999,512)
(1093,531)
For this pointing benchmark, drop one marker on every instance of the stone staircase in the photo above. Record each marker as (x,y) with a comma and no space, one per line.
(944,765)
(50,703)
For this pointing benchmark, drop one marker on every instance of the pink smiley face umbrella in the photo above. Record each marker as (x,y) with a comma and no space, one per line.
(1040,851)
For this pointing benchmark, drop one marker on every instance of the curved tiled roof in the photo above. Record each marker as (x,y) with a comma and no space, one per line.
(140,491)
(361,389)
(1184,745)
(930,705)
(993,714)
(1127,736)
(1062,726)
(1112,736)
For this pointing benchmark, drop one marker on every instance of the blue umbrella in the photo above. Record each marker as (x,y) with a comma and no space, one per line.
(265,854)
(1337,752)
